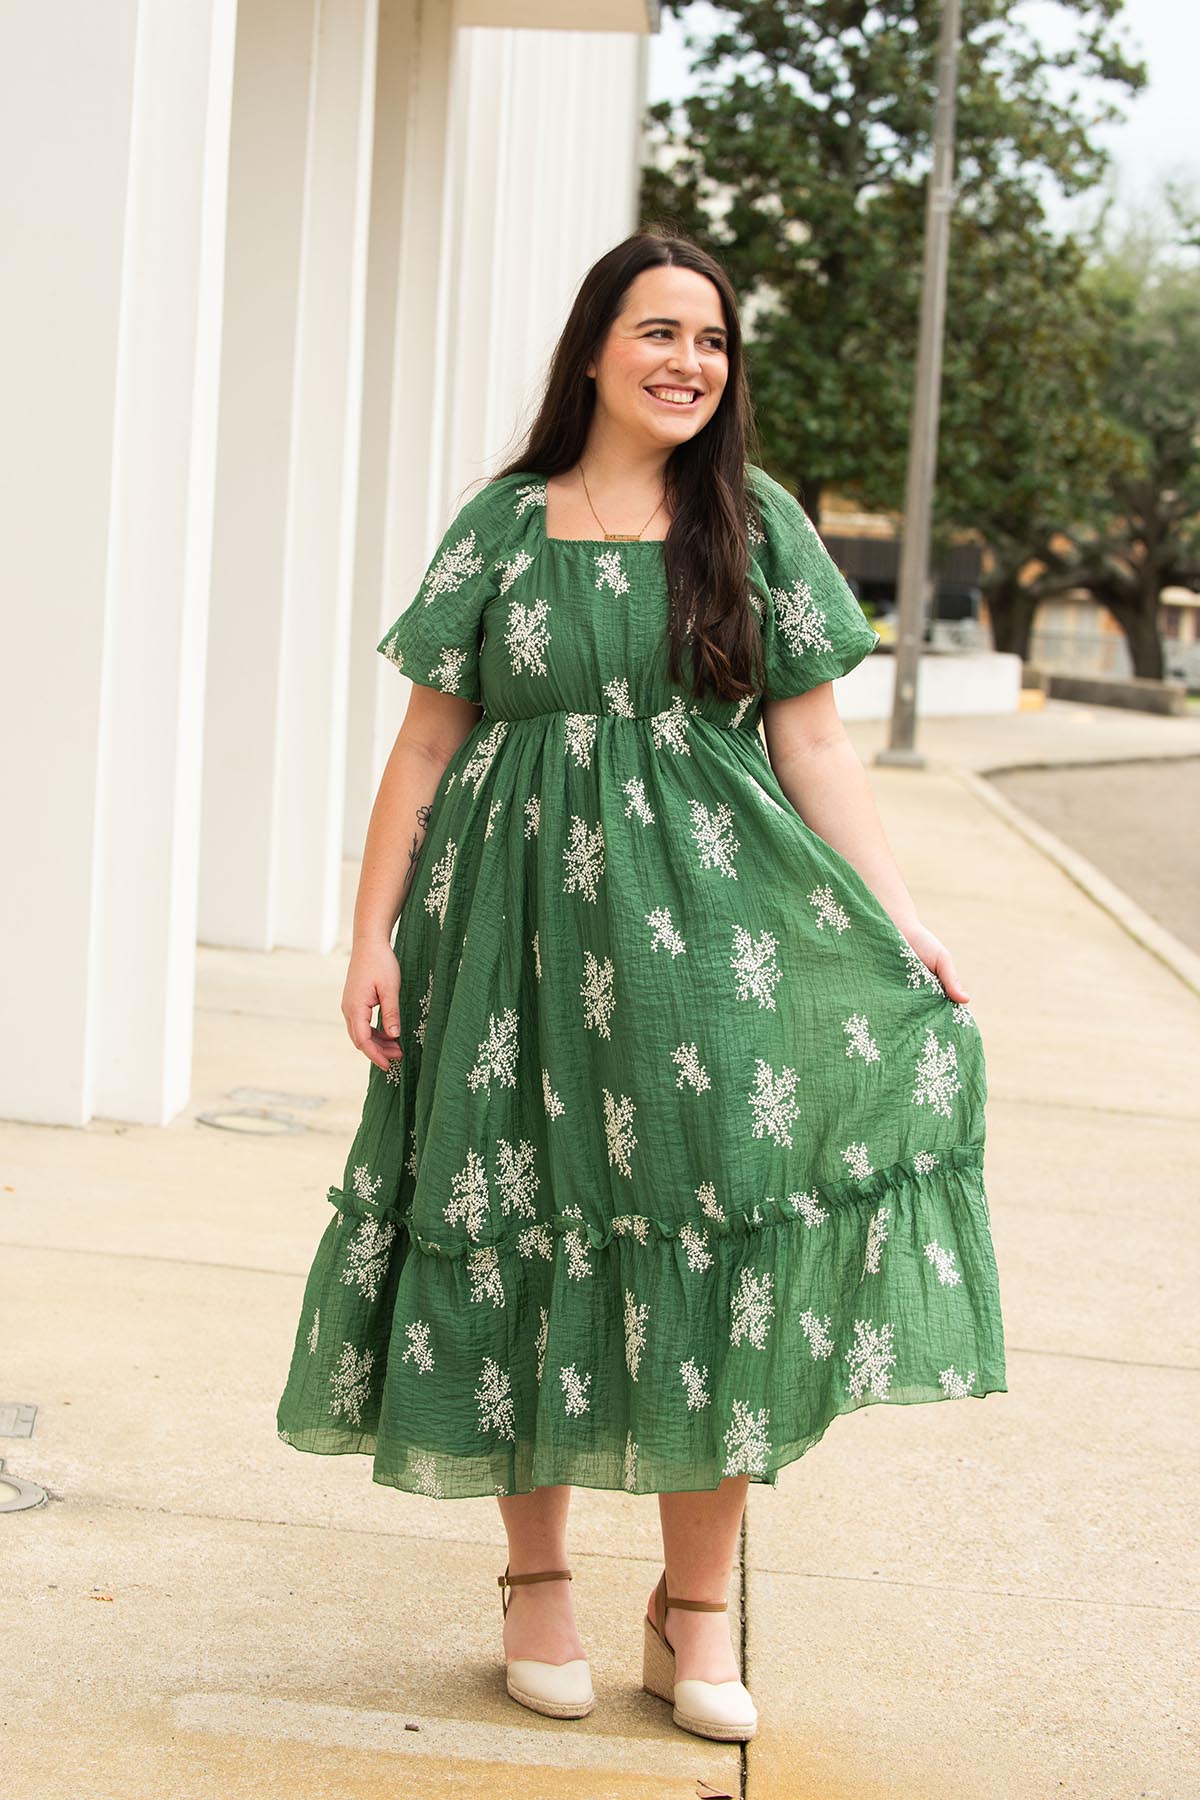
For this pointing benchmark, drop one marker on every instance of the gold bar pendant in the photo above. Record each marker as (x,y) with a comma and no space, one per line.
(621,537)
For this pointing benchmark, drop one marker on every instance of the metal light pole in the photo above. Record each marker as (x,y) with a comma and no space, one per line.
(922,443)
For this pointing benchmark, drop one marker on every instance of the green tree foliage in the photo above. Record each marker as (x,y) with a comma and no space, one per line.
(801,161)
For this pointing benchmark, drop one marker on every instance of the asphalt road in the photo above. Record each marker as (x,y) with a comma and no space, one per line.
(1139,822)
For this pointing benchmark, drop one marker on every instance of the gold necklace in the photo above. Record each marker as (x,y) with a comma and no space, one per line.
(614,537)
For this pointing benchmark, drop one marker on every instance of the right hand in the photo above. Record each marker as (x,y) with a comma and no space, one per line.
(373,979)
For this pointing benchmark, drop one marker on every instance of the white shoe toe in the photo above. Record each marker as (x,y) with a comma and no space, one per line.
(554,1684)
(720,1703)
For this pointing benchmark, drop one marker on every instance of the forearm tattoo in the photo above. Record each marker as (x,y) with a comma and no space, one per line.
(414,851)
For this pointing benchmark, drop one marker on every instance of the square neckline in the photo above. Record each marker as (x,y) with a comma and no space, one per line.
(592,543)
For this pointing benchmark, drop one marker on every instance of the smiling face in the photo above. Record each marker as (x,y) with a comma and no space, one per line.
(667,342)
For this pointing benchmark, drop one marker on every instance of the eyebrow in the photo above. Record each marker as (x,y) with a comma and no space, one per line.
(719,329)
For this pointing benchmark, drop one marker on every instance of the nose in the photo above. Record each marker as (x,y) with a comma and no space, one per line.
(684,359)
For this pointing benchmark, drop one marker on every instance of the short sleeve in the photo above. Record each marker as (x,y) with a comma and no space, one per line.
(813,628)
(436,639)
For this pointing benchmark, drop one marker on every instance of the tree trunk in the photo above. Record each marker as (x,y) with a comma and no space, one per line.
(1011,608)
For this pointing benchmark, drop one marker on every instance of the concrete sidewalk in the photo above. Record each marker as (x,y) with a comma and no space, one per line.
(953,1602)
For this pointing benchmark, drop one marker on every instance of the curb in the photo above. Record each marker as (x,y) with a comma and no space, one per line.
(1146,931)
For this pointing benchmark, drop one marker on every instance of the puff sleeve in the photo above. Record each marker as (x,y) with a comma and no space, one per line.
(436,640)
(813,627)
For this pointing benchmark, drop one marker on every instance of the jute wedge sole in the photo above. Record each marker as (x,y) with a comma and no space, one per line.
(723,1710)
(560,1690)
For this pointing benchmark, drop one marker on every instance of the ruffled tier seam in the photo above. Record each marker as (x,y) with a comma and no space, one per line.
(767,1214)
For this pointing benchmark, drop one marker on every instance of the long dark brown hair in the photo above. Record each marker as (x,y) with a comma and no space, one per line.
(706,551)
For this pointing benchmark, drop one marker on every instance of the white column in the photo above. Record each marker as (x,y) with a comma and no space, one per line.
(275,791)
(244,743)
(114,128)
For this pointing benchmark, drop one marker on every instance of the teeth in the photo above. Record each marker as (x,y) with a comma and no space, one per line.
(678,396)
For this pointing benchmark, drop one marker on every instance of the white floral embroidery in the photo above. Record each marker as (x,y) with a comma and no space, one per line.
(670,728)
(694,1245)
(858,1160)
(417,1333)
(799,618)
(515,1177)
(954,1385)
(425,1469)
(350,1383)
(818,1332)
(687,1057)
(539,1342)
(536,1240)
(367,1256)
(877,1233)
(575,1389)
(483,1268)
(871,1359)
(447,672)
(493,809)
(714,837)
(828,910)
(746,1441)
(611,575)
(532,494)
(753,963)
(393,652)
(962,1014)
(580,732)
(440,877)
(633,1225)
(533,815)
(635,1331)
(413,1161)
(741,710)
(635,787)
(618,1118)
(469,1200)
(363,1186)
(314,1332)
(710,1206)
(663,932)
(629,1475)
(481,759)
(861,1043)
(918,971)
(455,564)
(425,1003)
(511,571)
(596,991)
(577,1247)
(937,1075)
(496,1058)
(537,956)
(924,1162)
(753,1308)
(693,1383)
(583,858)
(616,692)
(494,1395)
(772,1102)
(554,1106)
(943,1262)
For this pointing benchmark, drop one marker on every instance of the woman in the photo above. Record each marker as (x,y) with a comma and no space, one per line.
(672,1150)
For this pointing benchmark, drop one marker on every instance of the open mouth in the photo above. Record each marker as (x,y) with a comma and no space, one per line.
(674,397)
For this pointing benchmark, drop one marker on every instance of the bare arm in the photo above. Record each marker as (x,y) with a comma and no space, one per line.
(433,728)
(818,769)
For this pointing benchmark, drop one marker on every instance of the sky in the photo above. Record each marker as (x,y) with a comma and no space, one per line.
(1158,137)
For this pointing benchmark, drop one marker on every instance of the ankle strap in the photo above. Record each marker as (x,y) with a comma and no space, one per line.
(662,1600)
(507,1580)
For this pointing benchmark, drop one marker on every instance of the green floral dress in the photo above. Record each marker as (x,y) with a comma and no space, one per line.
(684,1156)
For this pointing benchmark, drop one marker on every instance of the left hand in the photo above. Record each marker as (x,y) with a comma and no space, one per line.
(934,954)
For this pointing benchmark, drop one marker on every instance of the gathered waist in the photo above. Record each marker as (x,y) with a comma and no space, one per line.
(666,718)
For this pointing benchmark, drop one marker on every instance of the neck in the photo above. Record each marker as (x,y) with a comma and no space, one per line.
(618,465)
